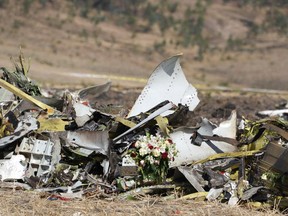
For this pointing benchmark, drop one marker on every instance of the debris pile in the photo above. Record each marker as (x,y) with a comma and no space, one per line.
(64,145)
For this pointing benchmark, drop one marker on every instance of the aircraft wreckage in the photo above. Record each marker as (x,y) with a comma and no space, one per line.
(65,145)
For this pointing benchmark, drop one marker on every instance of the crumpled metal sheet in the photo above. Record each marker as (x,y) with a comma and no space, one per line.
(167,82)
(251,192)
(90,94)
(188,152)
(156,113)
(214,193)
(24,127)
(26,105)
(97,141)
(83,113)
(13,169)
(275,157)
(193,177)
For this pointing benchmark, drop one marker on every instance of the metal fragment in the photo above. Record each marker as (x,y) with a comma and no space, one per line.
(13,169)
(24,127)
(167,82)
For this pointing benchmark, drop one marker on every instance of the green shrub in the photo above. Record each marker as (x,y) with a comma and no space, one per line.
(27,5)
(3,3)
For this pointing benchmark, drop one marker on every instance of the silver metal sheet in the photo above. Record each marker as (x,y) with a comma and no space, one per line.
(97,141)
(188,172)
(279,112)
(92,92)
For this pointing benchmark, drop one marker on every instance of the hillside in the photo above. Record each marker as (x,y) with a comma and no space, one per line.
(68,45)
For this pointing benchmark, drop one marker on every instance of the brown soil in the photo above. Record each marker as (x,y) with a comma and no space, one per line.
(214,105)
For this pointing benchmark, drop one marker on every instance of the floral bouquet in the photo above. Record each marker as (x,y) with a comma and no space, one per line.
(152,155)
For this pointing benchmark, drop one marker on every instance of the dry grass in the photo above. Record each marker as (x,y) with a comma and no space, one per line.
(31,203)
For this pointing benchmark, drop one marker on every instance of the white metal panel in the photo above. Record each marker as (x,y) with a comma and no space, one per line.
(188,152)
(167,82)
(13,168)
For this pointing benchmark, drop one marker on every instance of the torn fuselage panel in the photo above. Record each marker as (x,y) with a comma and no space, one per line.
(167,82)
(97,141)
(189,151)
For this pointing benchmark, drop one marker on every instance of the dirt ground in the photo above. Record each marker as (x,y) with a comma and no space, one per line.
(214,105)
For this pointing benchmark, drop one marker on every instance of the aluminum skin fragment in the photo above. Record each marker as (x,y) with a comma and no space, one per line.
(250,192)
(91,93)
(167,82)
(191,176)
(214,193)
(83,113)
(13,168)
(188,152)
(6,96)
(92,140)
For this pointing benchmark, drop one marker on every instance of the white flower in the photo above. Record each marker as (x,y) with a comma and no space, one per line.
(156,152)
(167,143)
(143,151)
(150,159)
(157,162)
(143,144)
(162,149)
(137,145)
(142,163)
